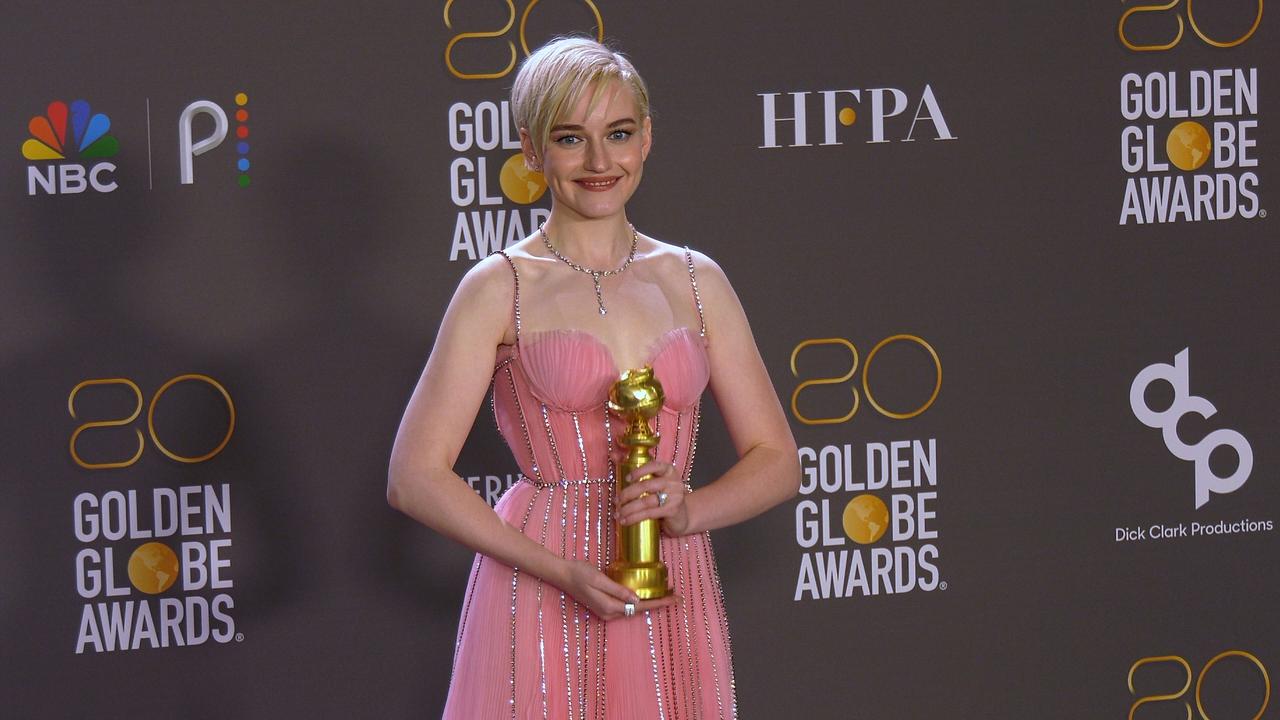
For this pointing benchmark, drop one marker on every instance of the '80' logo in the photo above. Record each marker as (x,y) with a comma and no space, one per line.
(480,35)
(866,380)
(1177,38)
(1177,376)
(1181,696)
(151,422)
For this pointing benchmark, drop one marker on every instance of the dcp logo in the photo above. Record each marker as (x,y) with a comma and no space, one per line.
(1177,375)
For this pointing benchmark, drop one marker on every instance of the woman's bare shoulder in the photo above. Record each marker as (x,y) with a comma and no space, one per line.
(526,257)
(483,302)
(672,257)
(488,279)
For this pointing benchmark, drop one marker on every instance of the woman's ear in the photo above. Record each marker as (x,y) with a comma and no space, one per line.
(531,160)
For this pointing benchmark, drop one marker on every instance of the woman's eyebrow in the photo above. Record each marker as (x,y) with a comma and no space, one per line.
(615,123)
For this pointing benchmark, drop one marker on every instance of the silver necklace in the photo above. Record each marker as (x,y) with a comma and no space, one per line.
(596,275)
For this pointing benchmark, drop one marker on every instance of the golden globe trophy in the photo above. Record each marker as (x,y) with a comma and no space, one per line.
(636,397)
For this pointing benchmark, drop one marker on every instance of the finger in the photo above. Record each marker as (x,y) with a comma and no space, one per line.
(615,590)
(650,506)
(634,492)
(656,603)
(654,468)
(637,510)
(658,481)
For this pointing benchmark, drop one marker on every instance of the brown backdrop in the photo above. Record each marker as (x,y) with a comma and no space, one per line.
(1024,216)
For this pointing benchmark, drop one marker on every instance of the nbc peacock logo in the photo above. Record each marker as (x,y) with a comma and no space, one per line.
(72,146)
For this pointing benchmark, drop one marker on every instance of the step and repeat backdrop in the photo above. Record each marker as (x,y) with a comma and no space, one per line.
(1010,266)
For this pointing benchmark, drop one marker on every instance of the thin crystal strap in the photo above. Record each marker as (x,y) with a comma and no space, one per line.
(697,298)
(516,276)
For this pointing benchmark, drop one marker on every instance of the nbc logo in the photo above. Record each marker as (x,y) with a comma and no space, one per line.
(87,141)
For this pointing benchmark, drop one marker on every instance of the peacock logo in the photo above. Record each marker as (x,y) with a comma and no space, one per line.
(70,132)
(89,138)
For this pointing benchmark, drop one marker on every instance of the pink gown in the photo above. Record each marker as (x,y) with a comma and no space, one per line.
(526,649)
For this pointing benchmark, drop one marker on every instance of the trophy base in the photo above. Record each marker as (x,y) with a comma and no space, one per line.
(647,580)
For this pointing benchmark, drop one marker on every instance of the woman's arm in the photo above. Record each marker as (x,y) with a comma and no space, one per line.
(768,469)
(421,482)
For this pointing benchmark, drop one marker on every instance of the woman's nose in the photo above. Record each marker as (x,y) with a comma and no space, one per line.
(597,159)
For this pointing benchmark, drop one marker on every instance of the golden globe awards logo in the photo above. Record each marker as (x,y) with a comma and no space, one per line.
(866,521)
(1189,148)
(488,181)
(842,520)
(154,565)
(178,538)
(486,178)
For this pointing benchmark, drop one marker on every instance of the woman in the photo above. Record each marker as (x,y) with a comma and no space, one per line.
(549,324)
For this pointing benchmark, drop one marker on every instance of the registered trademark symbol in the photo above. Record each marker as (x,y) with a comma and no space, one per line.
(240,636)
(1262,213)
(942,585)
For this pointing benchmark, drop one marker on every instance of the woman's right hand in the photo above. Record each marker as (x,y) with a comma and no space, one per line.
(602,595)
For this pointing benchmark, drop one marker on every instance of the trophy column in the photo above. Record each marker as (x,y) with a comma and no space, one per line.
(637,397)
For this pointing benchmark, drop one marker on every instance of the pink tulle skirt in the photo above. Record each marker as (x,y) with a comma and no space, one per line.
(526,649)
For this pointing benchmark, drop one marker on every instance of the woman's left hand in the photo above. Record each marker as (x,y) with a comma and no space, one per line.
(663,498)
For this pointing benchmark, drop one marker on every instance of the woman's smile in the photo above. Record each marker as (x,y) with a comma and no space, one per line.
(597,184)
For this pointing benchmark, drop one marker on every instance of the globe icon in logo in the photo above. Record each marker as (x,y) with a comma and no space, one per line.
(865,519)
(153,568)
(1188,145)
(519,183)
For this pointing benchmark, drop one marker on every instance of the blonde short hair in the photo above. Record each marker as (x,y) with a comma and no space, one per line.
(553,78)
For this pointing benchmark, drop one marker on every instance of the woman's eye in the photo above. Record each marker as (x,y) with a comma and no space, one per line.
(568,140)
(619,134)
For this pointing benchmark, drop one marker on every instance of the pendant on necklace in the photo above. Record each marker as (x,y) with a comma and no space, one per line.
(599,296)
(596,275)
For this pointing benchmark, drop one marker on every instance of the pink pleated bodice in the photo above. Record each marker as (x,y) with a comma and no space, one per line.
(525,648)
(570,372)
